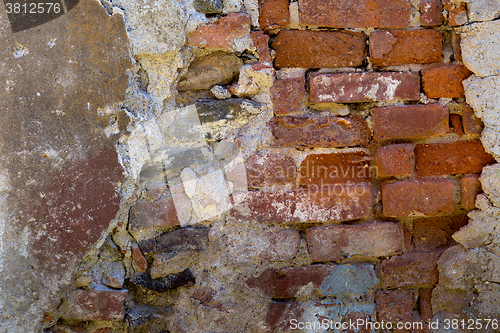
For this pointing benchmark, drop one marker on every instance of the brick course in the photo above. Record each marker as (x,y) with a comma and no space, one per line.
(273,14)
(395,160)
(288,95)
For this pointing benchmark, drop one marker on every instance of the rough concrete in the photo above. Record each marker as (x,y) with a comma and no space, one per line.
(480,50)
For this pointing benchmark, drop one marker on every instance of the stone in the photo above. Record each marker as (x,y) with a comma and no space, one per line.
(179,240)
(165,264)
(410,122)
(399,47)
(336,242)
(221,33)
(95,305)
(218,68)
(288,96)
(480,52)
(328,169)
(273,14)
(267,169)
(209,6)
(460,157)
(355,14)
(490,180)
(280,314)
(395,305)
(433,233)
(140,262)
(115,282)
(364,87)
(283,245)
(319,131)
(470,187)
(220,92)
(445,81)
(395,160)
(337,203)
(425,303)
(431,13)
(184,278)
(253,79)
(457,15)
(483,10)
(148,317)
(67,329)
(418,197)
(410,270)
(316,49)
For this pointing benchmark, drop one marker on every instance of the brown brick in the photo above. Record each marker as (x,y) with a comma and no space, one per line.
(456,123)
(279,315)
(283,245)
(273,14)
(410,270)
(261,42)
(355,13)
(424,303)
(316,49)
(470,187)
(472,124)
(222,32)
(431,13)
(288,95)
(95,305)
(337,242)
(451,158)
(410,122)
(455,42)
(341,202)
(435,232)
(267,169)
(324,169)
(364,87)
(395,160)
(353,317)
(445,81)
(418,197)
(321,131)
(399,47)
(395,305)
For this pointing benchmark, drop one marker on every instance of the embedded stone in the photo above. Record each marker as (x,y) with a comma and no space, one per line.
(209,6)
(184,278)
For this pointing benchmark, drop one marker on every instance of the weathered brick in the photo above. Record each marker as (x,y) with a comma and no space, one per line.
(399,47)
(261,42)
(395,160)
(321,131)
(335,242)
(457,15)
(395,305)
(456,123)
(280,314)
(287,95)
(146,218)
(424,303)
(410,270)
(357,317)
(455,42)
(184,239)
(325,169)
(470,187)
(273,14)
(316,49)
(341,202)
(418,197)
(431,13)
(95,305)
(472,124)
(450,158)
(283,245)
(355,13)
(267,169)
(222,32)
(435,232)
(140,262)
(410,122)
(445,81)
(364,87)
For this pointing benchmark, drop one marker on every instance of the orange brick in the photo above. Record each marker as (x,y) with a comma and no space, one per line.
(472,124)
(273,14)
(456,122)
(221,33)
(445,81)
(395,160)
(470,187)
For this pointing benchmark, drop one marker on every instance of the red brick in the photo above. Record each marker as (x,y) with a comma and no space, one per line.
(395,160)
(395,305)
(341,202)
(364,87)
(283,245)
(321,131)
(288,95)
(353,317)
(324,169)
(316,49)
(261,42)
(424,303)
(410,270)
(266,169)
(435,232)
(455,42)
(95,305)
(451,158)
(445,81)
(140,262)
(472,124)
(273,14)
(470,187)
(418,197)
(146,216)
(410,122)
(456,15)
(222,32)
(279,315)
(399,47)
(355,13)
(407,239)
(431,13)
(456,122)
(335,242)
